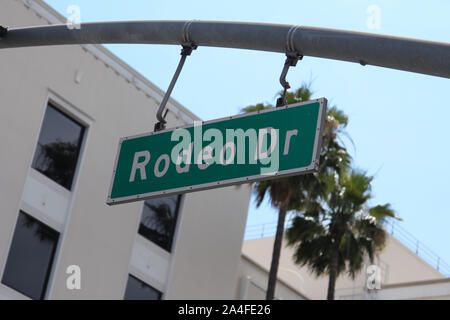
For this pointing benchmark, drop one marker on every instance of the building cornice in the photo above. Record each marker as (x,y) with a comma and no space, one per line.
(120,67)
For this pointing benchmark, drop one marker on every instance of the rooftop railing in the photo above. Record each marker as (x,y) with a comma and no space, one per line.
(266,230)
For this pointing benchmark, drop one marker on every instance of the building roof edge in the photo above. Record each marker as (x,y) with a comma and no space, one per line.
(121,67)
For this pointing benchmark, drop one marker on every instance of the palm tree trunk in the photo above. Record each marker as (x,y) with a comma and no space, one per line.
(333,274)
(276,254)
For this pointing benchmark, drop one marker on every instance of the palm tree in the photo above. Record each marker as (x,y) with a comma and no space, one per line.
(336,231)
(294,192)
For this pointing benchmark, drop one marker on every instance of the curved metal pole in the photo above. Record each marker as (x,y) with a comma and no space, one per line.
(420,56)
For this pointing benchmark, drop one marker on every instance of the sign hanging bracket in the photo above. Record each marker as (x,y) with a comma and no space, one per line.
(187,47)
(292,57)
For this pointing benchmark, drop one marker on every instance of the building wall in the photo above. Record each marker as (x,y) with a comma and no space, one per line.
(252,283)
(115,101)
(209,244)
(397,263)
(438,289)
(405,265)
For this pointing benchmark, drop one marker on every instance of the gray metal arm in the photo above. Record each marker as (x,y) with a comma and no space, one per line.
(420,56)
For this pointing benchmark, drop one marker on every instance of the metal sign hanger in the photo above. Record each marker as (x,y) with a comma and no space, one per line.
(188,46)
(292,57)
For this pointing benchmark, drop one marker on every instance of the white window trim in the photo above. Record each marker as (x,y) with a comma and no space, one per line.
(84,119)
(87,121)
(174,245)
(159,284)
(142,278)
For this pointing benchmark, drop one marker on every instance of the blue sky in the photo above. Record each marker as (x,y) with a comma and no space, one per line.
(398,120)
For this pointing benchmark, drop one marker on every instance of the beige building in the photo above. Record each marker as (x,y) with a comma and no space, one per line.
(402,274)
(63,111)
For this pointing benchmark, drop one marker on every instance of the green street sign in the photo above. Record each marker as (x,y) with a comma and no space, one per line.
(267,144)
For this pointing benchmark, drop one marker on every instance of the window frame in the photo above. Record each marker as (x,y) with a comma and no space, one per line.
(51,263)
(70,110)
(177,215)
(130,275)
(81,117)
(62,105)
(79,145)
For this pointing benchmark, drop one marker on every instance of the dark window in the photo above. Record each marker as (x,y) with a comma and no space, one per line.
(30,257)
(58,147)
(158,220)
(139,290)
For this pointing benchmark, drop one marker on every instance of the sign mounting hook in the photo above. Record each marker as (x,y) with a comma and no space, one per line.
(187,47)
(292,57)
